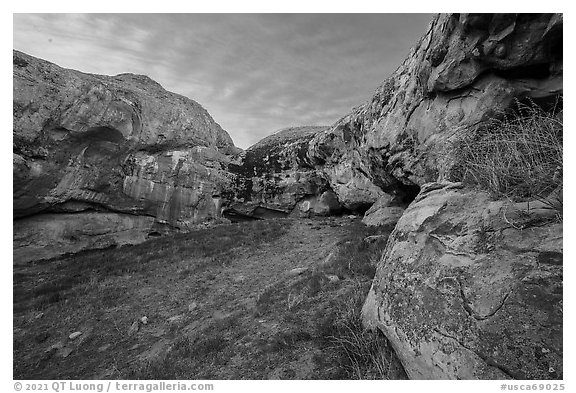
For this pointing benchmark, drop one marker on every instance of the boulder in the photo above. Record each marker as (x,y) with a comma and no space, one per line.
(323,205)
(471,288)
(384,216)
(385,211)
(353,188)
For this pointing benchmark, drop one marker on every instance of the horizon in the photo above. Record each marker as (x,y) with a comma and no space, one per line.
(255,74)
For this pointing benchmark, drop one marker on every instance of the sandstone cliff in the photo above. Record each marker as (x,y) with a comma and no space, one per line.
(468,287)
(466,69)
(276,178)
(120,145)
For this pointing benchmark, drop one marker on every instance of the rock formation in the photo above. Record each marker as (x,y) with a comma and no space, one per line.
(471,288)
(118,145)
(385,211)
(468,287)
(276,178)
(467,68)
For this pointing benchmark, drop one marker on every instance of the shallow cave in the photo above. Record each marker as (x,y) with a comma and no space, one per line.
(407,193)
(101,134)
(532,71)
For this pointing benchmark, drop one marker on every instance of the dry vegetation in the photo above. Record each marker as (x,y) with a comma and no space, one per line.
(517,156)
(221,304)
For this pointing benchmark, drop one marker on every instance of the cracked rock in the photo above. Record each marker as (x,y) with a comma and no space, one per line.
(457,303)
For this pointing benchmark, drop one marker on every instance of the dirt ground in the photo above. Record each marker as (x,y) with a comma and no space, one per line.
(257,300)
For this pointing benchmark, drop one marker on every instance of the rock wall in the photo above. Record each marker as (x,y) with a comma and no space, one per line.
(276,178)
(119,145)
(466,69)
(468,287)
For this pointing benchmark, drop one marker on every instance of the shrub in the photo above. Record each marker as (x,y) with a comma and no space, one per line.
(516,156)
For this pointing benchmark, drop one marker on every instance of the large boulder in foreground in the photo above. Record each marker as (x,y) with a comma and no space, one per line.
(120,145)
(471,288)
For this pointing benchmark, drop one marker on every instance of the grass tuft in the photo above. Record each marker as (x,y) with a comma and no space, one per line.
(367,354)
(516,156)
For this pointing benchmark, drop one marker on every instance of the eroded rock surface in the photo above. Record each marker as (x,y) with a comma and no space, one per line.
(385,211)
(466,69)
(116,144)
(276,178)
(471,288)
(44,236)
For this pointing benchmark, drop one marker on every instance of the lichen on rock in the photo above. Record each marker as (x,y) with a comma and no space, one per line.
(463,292)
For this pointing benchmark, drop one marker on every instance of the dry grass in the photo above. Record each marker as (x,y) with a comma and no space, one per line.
(517,156)
(368,354)
(266,325)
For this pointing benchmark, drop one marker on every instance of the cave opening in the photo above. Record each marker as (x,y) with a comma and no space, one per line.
(101,134)
(408,193)
(532,71)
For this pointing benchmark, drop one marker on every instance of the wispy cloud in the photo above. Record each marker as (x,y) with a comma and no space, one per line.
(254,73)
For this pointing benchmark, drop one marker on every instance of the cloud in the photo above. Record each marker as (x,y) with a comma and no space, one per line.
(254,73)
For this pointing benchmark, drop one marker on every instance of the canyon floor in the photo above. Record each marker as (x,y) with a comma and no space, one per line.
(271,299)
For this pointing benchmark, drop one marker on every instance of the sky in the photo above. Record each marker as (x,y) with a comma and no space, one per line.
(254,73)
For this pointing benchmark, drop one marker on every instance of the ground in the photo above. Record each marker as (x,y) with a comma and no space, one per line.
(273,299)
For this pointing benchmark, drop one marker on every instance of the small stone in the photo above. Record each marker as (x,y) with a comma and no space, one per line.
(551,369)
(65,352)
(104,347)
(544,350)
(144,320)
(134,328)
(55,347)
(74,335)
(192,306)
(332,278)
(297,271)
